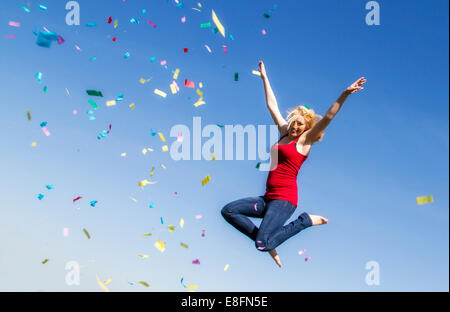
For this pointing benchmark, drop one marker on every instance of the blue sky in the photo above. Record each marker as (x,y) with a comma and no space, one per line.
(387,146)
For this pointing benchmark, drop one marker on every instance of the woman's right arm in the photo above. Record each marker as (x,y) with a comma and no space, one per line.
(271,101)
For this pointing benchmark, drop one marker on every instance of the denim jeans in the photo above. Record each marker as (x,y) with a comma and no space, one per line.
(275,212)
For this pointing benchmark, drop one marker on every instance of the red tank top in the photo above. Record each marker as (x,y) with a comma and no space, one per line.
(282,180)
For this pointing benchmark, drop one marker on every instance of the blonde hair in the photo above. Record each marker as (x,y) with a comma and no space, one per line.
(308,114)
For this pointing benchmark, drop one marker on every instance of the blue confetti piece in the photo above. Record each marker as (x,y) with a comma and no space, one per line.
(40,196)
(43,8)
(144,11)
(152,205)
(162,221)
(152,59)
(119,97)
(91,24)
(127,55)
(93,203)
(49,187)
(43,124)
(231,37)
(91,117)
(45,39)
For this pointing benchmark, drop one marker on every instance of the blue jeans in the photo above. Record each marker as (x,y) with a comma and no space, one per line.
(275,212)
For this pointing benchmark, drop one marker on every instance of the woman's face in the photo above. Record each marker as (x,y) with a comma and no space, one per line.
(297,127)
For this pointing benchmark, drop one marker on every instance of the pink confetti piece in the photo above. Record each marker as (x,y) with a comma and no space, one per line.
(183,19)
(152,24)
(78,48)
(163,63)
(255,208)
(196,261)
(302,251)
(259,241)
(78,198)
(263,32)
(65,232)
(14,24)
(208,48)
(307,259)
(74,112)
(203,233)
(46,29)
(198,217)
(225,49)
(260,248)
(47,133)
(10,36)
(180,137)
(60,40)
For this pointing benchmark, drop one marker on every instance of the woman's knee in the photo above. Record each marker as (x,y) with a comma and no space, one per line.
(226,211)
(261,244)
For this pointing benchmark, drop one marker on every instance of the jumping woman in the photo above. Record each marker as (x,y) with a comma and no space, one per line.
(301,130)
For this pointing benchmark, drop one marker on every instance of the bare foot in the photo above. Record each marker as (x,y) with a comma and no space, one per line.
(275,256)
(318,220)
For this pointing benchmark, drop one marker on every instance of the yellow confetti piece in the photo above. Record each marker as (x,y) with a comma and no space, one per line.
(28,115)
(143,256)
(173,88)
(160,245)
(132,106)
(162,137)
(87,233)
(111,103)
(255,72)
(107,282)
(191,286)
(424,200)
(123,154)
(33,144)
(171,228)
(199,5)
(206,180)
(146,235)
(102,285)
(226,267)
(116,22)
(142,80)
(213,157)
(200,93)
(163,166)
(145,182)
(200,85)
(133,199)
(45,261)
(68,93)
(144,151)
(161,93)
(144,283)
(165,148)
(199,102)
(175,75)
(184,245)
(218,24)
(150,149)
(181,223)
(151,173)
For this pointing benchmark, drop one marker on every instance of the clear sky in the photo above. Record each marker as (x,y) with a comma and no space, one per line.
(388,145)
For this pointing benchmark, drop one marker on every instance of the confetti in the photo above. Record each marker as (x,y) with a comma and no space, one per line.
(175,75)
(45,261)
(162,222)
(45,130)
(111,103)
(181,223)
(256,208)
(49,187)
(78,198)
(165,148)
(183,19)
(14,24)
(203,233)
(127,55)
(102,285)
(107,282)
(66,232)
(163,63)
(198,217)
(206,180)
(171,228)
(257,165)
(132,106)
(160,245)
(226,267)
(184,245)
(146,235)
(302,251)
(143,256)
(151,172)
(236,76)
(33,144)
(40,196)
(307,259)
(424,200)
(152,205)
(189,84)
(144,283)
(87,233)
(191,287)
(255,72)
(263,32)
(205,25)
(196,261)
(93,104)
(161,136)
(28,115)
(94,93)
(161,93)
(93,203)
(218,24)
(185,50)
(152,24)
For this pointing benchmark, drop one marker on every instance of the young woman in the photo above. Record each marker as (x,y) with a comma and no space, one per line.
(297,135)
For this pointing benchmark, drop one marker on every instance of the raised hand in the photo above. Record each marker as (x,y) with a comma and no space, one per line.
(356,86)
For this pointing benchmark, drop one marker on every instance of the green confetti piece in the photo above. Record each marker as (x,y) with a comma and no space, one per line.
(87,234)
(94,93)
(144,283)
(257,165)
(26,9)
(93,104)
(205,25)
(45,261)
(306,106)
(266,15)
(45,89)
(236,76)
(216,30)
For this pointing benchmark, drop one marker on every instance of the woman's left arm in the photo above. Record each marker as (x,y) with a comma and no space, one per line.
(320,126)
